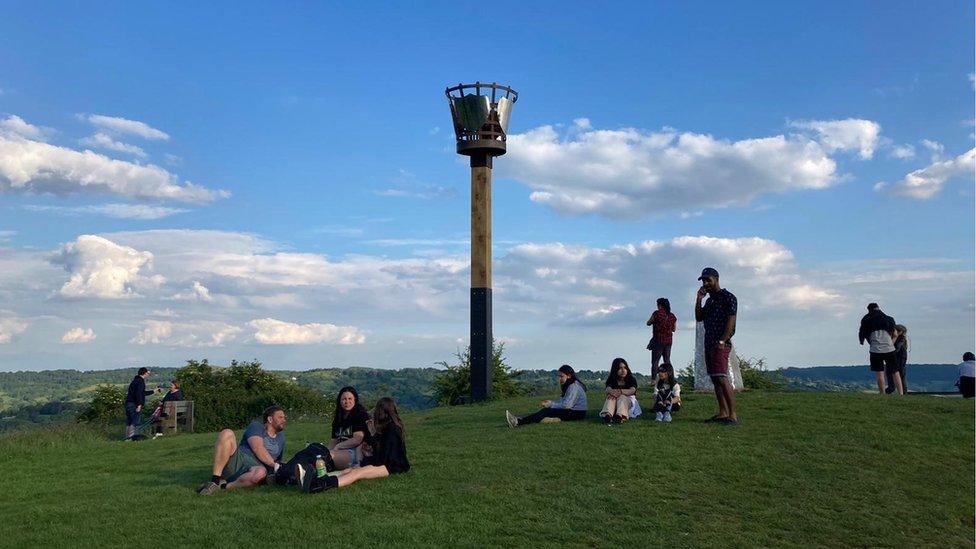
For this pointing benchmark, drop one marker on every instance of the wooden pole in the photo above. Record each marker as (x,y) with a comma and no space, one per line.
(481,336)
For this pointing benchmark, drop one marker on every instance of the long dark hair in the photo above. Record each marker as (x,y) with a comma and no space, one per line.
(385,413)
(663,303)
(568,370)
(629,381)
(341,414)
(668,369)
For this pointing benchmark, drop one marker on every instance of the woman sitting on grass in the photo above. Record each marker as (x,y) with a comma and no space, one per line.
(667,396)
(621,385)
(385,454)
(348,429)
(571,407)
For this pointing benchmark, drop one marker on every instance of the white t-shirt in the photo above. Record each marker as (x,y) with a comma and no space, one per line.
(967,368)
(880,341)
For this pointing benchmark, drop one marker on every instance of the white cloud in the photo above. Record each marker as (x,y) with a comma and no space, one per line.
(6,235)
(16,126)
(631,172)
(845,135)
(270,331)
(104,141)
(78,335)
(118,211)
(10,326)
(101,268)
(186,334)
(424,192)
(972,80)
(198,292)
(927,182)
(903,152)
(126,126)
(29,166)
(937,149)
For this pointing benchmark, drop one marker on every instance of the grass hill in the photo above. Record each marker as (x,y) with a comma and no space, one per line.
(804,469)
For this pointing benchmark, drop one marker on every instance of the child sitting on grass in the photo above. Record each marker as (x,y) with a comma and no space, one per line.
(667,397)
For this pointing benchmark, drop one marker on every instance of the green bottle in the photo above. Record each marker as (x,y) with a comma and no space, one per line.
(320,466)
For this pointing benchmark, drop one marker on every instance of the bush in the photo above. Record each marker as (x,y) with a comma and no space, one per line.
(454,385)
(107,406)
(756,376)
(232,397)
(686,376)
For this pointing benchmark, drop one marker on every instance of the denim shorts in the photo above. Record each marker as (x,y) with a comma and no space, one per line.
(132,417)
(353,457)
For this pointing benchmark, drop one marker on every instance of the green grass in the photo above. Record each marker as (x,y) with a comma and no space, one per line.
(809,469)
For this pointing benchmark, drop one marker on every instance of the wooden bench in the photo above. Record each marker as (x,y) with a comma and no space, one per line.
(177,412)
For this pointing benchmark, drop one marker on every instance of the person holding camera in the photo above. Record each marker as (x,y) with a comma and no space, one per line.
(718,315)
(663,324)
(135,399)
(249,463)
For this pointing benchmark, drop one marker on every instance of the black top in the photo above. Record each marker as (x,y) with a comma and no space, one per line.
(901,352)
(354,422)
(177,395)
(872,322)
(389,449)
(629,382)
(715,314)
(137,391)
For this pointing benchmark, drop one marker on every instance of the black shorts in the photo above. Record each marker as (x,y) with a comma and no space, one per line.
(881,361)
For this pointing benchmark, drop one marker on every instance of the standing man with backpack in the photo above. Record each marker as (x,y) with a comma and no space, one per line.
(718,315)
(135,399)
(878,329)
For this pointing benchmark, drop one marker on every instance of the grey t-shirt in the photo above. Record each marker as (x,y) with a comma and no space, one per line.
(274,445)
(880,341)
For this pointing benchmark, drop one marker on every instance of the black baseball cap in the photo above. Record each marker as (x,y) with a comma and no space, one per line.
(708,271)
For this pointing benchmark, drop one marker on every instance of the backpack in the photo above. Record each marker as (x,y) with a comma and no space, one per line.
(305,456)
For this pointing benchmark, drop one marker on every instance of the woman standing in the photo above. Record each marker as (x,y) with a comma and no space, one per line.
(901,359)
(621,385)
(663,324)
(571,407)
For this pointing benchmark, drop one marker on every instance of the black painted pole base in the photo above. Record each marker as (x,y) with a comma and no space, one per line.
(480,344)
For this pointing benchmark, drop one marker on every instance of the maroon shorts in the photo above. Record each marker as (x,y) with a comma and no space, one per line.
(717,360)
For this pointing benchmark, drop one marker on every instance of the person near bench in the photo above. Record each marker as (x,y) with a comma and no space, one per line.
(247,464)
(135,399)
(174,394)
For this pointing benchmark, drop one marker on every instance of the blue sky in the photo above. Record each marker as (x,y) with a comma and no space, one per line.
(280,182)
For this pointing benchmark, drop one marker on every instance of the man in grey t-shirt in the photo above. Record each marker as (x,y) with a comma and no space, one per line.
(878,329)
(249,463)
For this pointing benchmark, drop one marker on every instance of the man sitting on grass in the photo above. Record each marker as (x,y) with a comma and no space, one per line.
(249,463)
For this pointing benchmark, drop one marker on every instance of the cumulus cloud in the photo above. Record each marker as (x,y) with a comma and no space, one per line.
(104,141)
(16,126)
(28,165)
(118,211)
(125,126)
(852,134)
(903,152)
(186,334)
(101,268)
(270,331)
(78,335)
(631,172)
(927,182)
(10,327)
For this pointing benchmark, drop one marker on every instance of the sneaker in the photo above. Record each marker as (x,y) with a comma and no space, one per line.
(607,420)
(729,421)
(157,435)
(658,416)
(303,478)
(511,419)
(208,489)
(667,417)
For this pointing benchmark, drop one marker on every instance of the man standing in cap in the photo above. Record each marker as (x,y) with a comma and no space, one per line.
(718,316)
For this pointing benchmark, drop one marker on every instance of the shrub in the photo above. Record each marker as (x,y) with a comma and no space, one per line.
(107,406)
(686,376)
(454,385)
(756,376)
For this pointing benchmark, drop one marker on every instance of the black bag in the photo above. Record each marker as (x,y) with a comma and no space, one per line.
(305,456)
(653,345)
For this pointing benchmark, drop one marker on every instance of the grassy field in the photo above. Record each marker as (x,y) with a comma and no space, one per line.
(808,469)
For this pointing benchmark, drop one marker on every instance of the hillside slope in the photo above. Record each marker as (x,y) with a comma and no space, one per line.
(803,469)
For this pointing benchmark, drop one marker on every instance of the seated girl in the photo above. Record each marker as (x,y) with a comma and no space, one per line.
(349,429)
(621,385)
(159,413)
(385,454)
(667,396)
(570,407)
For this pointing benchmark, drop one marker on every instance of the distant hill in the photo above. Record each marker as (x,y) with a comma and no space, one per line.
(53,396)
(920,377)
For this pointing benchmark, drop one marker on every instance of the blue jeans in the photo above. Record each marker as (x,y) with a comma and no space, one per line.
(132,417)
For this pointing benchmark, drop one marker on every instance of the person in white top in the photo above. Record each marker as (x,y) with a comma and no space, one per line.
(667,396)
(967,375)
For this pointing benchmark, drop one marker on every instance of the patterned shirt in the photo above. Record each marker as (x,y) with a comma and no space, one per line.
(716,313)
(663,327)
